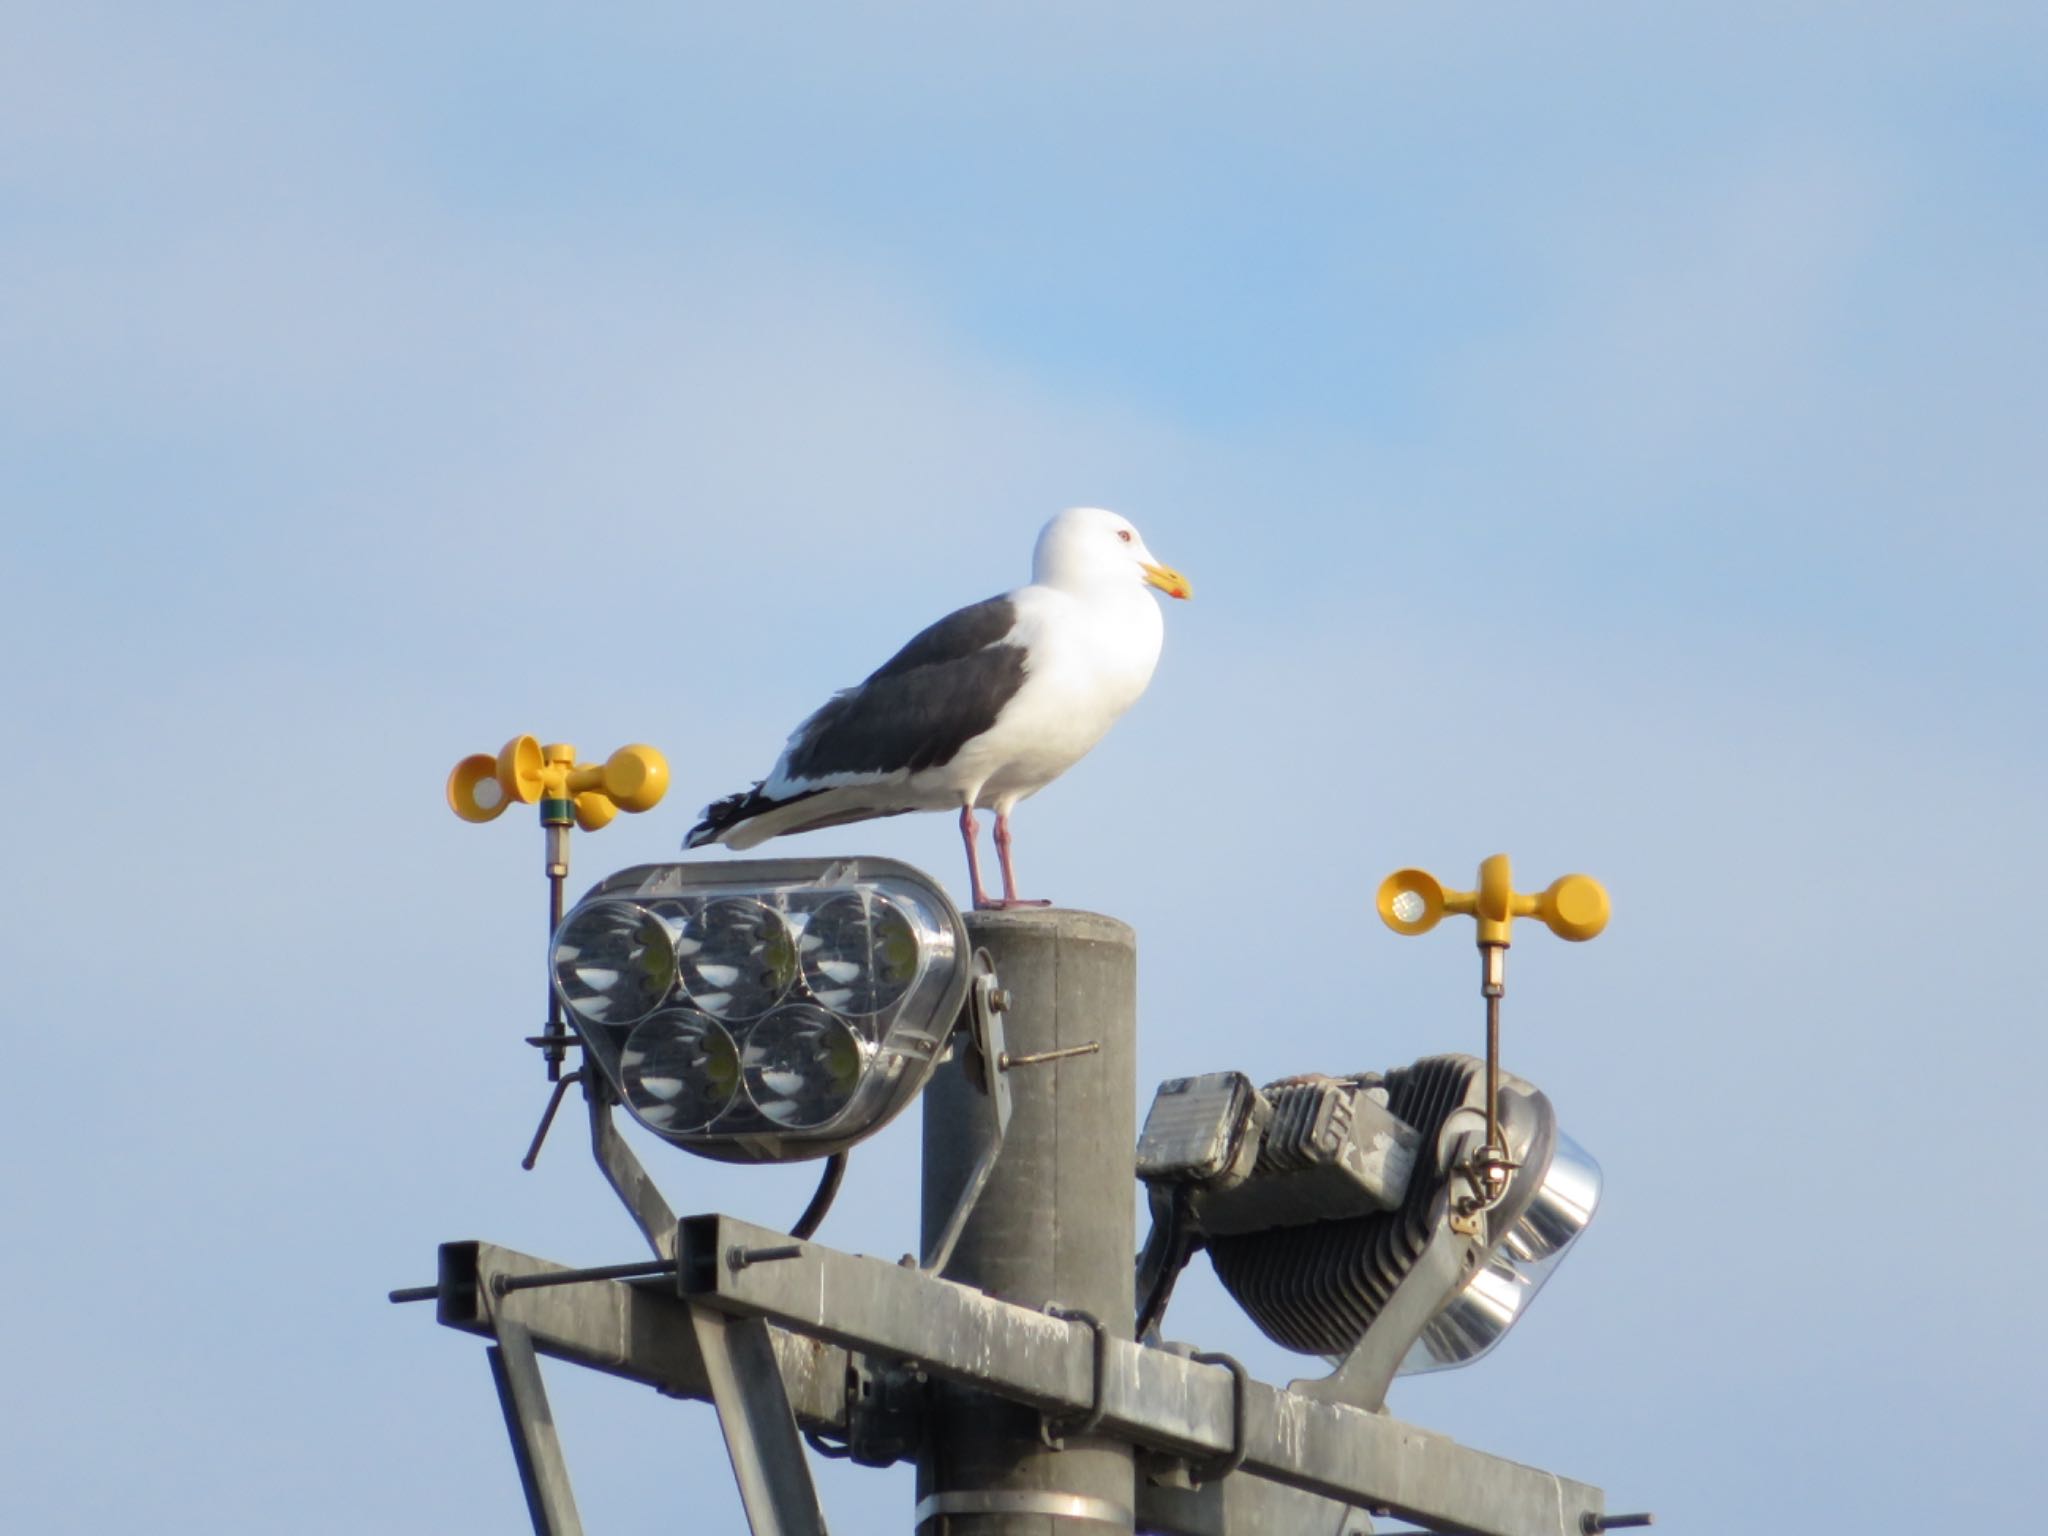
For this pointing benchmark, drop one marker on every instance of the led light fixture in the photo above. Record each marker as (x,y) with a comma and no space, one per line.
(764,1011)
(1351,1216)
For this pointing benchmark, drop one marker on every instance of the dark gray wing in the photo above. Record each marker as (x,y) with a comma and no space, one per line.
(921,706)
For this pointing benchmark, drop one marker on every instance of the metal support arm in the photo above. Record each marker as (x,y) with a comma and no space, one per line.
(1148,1396)
(1307,1464)
(625,1173)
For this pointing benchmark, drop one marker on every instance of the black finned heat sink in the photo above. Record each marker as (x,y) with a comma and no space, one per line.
(1316,1289)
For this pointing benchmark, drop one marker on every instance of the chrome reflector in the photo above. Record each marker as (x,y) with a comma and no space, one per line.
(1474,1320)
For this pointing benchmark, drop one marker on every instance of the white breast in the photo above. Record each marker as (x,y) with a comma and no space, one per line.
(1089,662)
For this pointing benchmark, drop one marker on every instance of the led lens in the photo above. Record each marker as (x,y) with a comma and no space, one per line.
(614,962)
(859,953)
(737,957)
(802,1066)
(680,1069)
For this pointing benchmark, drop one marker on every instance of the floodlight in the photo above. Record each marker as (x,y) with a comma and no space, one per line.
(764,1011)
(1321,1199)
(1393,1223)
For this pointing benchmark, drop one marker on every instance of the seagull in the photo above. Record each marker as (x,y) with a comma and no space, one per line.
(981,710)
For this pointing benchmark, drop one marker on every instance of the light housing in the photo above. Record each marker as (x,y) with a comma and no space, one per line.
(764,1010)
(1320,1200)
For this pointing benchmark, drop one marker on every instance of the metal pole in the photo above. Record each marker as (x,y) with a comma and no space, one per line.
(555,833)
(1053,1227)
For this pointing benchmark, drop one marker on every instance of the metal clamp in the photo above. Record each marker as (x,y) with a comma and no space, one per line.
(1024,1501)
(1086,1421)
(884,1417)
(1240,1385)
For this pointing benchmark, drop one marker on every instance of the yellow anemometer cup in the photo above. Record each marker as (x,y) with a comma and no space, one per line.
(481,787)
(1573,907)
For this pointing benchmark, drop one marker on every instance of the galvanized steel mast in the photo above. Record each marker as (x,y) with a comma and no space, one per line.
(1054,1225)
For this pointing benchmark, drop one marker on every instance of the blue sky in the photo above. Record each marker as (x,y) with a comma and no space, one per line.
(1604,433)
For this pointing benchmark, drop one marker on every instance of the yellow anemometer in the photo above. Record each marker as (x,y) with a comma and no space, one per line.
(588,795)
(1574,907)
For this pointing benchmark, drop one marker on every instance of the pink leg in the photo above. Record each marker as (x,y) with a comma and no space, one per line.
(1010,896)
(970,829)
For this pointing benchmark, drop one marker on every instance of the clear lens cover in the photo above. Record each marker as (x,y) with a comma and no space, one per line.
(614,962)
(765,1010)
(859,953)
(1474,1320)
(802,1066)
(737,956)
(681,1070)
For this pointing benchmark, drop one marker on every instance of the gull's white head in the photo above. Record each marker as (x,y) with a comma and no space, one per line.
(1087,547)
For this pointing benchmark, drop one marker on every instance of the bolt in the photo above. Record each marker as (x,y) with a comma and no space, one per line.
(738,1258)
(999,1000)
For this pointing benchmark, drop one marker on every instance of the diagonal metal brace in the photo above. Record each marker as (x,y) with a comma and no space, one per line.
(759,1427)
(1364,1375)
(543,1474)
(983,1019)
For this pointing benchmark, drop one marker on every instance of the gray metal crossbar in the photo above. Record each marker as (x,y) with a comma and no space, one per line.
(644,1331)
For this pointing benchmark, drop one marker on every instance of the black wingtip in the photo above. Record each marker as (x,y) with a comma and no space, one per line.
(721,816)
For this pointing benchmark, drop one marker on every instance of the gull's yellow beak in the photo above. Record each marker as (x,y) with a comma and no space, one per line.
(1168,580)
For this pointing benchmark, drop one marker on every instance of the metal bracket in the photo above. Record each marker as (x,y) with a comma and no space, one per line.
(1240,1388)
(1450,1258)
(982,1017)
(623,1170)
(884,1414)
(547,1116)
(1169,1245)
(1447,1262)
(1054,1436)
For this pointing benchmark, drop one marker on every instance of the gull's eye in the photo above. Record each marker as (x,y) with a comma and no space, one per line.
(1124,534)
